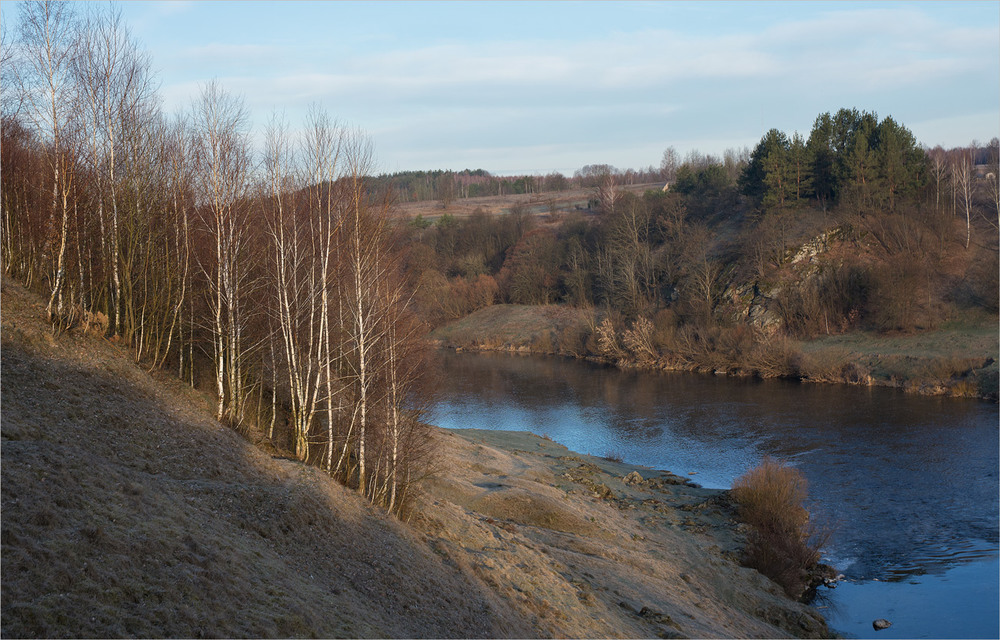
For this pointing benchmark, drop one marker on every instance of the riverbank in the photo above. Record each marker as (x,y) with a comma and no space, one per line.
(129,511)
(583,546)
(958,359)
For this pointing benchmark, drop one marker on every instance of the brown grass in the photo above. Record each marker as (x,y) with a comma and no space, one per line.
(511,327)
(770,499)
(128,511)
(539,204)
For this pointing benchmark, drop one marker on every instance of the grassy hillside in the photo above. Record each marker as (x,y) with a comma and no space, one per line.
(129,511)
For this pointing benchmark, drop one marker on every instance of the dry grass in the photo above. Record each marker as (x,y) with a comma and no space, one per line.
(128,511)
(512,327)
(570,542)
(770,499)
(540,204)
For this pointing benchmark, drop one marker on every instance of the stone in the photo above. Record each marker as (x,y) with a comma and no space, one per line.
(602,491)
(880,624)
(633,478)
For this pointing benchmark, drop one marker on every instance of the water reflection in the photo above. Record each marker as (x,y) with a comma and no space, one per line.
(910,483)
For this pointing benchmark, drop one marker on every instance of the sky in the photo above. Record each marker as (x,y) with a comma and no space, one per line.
(535,87)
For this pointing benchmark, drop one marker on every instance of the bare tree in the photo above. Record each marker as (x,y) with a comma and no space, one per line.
(701,271)
(116,82)
(993,176)
(627,270)
(446,189)
(608,193)
(963,183)
(669,164)
(939,172)
(48,43)
(303,236)
(180,180)
(11,98)
(288,231)
(322,151)
(362,249)
(223,154)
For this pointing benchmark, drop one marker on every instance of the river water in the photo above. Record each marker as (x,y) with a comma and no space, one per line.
(908,485)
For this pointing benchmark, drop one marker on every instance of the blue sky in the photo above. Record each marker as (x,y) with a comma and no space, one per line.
(534,87)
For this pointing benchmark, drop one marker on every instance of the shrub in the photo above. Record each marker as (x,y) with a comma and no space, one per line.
(639,341)
(665,324)
(826,365)
(607,340)
(775,356)
(542,342)
(780,545)
(572,339)
(613,455)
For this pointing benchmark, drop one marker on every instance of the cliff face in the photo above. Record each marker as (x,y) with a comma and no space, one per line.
(128,511)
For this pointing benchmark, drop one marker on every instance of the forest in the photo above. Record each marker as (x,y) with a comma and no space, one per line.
(854,228)
(280,280)
(271,278)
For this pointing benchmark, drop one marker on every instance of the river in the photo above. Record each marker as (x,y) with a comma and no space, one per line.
(907,485)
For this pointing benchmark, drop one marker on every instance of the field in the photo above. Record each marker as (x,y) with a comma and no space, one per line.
(539,204)
(959,358)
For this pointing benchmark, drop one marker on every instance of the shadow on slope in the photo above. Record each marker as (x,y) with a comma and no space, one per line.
(127,511)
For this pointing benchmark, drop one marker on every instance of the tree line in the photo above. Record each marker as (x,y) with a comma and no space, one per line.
(448,186)
(707,273)
(271,276)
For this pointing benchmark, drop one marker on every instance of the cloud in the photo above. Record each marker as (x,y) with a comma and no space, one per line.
(633,90)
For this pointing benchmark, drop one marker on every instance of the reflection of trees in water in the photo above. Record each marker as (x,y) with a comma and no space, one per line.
(902,478)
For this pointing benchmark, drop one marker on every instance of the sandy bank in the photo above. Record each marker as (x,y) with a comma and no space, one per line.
(576,551)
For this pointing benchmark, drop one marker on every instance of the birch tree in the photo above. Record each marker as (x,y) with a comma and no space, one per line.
(48,40)
(116,84)
(303,237)
(993,178)
(963,183)
(223,155)
(179,183)
(939,173)
(322,148)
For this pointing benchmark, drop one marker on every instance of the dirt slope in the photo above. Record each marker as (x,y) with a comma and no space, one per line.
(128,511)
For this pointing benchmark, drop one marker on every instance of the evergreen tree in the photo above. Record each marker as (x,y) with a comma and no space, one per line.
(821,158)
(766,177)
(902,164)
